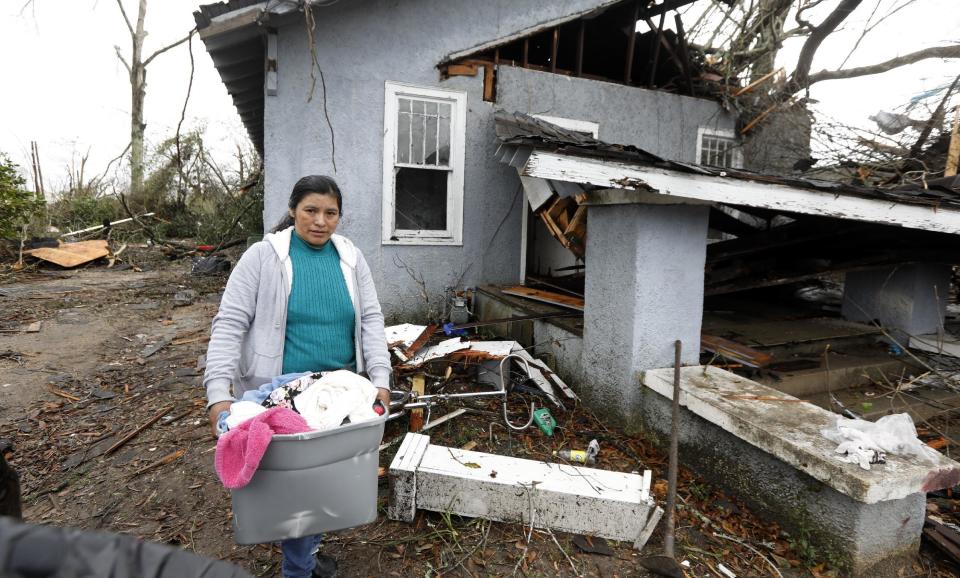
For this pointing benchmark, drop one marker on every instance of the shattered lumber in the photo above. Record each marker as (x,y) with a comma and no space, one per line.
(734,351)
(608,504)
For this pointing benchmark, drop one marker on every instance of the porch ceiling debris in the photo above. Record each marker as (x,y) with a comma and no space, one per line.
(619,174)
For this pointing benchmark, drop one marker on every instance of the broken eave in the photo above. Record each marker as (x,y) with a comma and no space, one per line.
(620,183)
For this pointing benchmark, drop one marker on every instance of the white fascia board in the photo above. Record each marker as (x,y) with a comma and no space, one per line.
(718,189)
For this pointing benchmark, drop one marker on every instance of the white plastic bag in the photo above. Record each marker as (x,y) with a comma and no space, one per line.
(891,434)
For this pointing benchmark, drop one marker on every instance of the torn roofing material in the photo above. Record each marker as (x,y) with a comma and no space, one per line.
(626,166)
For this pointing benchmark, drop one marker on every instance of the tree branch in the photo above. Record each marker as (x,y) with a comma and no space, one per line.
(168,47)
(933,52)
(125,17)
(801,72)
(123,60)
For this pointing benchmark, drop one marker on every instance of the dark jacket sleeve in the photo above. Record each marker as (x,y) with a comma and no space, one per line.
(48,551)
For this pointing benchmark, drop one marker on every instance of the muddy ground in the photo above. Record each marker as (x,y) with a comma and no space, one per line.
(118,346)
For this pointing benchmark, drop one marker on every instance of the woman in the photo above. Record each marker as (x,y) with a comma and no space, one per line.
(300,300)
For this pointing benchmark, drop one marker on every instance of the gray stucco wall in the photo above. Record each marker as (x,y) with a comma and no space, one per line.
(362,44)
(644,290)
(659,122)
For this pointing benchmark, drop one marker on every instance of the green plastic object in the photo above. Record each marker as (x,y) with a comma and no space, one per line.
(544,420)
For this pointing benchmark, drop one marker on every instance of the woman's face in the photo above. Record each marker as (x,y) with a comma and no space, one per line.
(316,218)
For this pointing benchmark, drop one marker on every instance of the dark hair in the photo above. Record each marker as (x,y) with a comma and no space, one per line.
(319,184)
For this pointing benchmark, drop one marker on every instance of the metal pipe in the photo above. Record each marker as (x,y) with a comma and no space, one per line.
(503,388)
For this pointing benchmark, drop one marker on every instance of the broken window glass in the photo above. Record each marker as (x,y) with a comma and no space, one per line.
(421,199)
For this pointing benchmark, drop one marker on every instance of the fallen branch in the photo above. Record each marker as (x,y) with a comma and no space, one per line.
(161,462)
(62,393)
(137,431)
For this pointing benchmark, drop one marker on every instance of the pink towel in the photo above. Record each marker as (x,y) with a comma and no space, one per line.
(240,450)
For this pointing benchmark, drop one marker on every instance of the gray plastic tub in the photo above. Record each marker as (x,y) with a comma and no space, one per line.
(311,483)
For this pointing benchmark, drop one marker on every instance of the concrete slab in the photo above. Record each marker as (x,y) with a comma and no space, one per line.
(790,431)
(766,448)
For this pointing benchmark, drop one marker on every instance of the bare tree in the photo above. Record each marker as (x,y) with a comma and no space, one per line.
(745,37)
(137,69)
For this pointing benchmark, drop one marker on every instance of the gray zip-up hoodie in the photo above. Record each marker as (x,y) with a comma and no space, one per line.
(247,336)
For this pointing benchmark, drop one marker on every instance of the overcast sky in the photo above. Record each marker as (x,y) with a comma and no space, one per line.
(65,88)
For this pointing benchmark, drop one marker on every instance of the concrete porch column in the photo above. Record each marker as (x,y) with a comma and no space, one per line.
(644,290)
(908,299)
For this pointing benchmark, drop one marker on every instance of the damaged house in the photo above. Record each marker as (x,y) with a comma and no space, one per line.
(405,120)
(474,144)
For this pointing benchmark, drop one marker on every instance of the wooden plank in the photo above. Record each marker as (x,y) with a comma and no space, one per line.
(72,254)
(419,386)
(557,496)
(684,52)
(462,69)
(631,43)
(734,351)
(576,231)
(421,340)
(489,83)
(445,418)
(546,371)
(941,542)
(526,52)
(403,477)
(953,152)
(657,40)
(631,183)
(665,44)
(578,70)
(544,297)
(554,50)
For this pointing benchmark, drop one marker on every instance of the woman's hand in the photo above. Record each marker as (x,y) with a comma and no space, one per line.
(383,396)
(214,413)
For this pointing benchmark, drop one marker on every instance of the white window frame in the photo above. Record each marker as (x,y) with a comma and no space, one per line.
(453,235)
(722,133)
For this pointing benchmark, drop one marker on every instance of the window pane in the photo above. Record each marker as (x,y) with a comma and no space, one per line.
(417,129)
(444,144)
(431,144)
(404,105)
(421,199)
(403,135)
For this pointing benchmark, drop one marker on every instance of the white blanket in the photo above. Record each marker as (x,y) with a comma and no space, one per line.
(335,396)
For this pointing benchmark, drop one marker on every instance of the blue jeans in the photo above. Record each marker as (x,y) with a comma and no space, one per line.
(298,556)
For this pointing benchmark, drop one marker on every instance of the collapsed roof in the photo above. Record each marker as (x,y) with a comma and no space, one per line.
(778,230)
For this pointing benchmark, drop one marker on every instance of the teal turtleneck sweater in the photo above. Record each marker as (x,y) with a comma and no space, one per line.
(320,315)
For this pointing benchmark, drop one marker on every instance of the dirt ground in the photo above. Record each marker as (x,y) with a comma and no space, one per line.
(117,347)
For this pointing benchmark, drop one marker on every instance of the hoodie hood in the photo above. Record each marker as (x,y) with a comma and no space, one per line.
(280,241)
